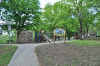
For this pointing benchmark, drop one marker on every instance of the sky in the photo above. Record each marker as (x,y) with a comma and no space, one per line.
(43,2)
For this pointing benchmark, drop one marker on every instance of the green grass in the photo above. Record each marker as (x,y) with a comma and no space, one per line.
(86,42)
(95,38)
(6,53)
(3,39)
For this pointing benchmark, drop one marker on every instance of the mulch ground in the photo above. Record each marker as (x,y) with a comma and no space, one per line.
(68,55)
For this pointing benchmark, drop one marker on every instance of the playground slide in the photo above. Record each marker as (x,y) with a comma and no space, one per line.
(47,38)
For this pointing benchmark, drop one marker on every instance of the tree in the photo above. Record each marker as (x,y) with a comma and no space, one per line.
(59,16)
(23,12)
(98,28)
(80,8)
(48,17)
(98,25)
(88,21)
(96,6)
(70,14)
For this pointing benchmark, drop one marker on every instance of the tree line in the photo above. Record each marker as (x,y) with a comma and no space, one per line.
(75,16)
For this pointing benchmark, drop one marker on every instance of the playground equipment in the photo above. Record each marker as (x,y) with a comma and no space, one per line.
(25,37)
(39,37)
(47,38)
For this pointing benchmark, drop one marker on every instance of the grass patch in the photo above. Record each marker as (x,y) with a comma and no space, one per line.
(6,53)
(3,39)
(95,38)
(86,42)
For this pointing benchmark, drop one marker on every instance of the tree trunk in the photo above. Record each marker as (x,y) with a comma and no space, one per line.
(18,36)
(65,36)
(81,30)
(87,26)
(87,30)
(92,31)
(18,33)
(68,38)
(87,33)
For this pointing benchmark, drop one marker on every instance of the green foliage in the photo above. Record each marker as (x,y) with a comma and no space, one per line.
(80,10)
(6,54)
(14,37)
(98,27)
(3,39)
(59,16)
(69,33)
(48,17)
(25,13)
(71,14)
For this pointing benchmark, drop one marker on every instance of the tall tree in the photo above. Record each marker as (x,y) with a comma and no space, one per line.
(96,6)
(59,16)
(23,12)
(48,17)
(80,9)
(89,20)
(70,13)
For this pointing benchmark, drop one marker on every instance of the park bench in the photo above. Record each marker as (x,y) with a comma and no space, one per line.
(10,41)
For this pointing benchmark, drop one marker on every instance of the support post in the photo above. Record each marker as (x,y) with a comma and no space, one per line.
(54,39)
(9,29)
(59,32)
(64,39)
(9,37)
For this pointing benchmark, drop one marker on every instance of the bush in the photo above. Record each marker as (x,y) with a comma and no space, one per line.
(3,39)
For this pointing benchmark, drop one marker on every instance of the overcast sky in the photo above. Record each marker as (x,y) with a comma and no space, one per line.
(43,2)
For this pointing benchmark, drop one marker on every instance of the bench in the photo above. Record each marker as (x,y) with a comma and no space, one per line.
(11,41)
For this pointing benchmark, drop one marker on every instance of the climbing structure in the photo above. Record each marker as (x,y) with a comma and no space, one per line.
(25,37)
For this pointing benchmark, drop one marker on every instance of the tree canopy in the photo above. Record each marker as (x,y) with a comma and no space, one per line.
(75,16)
(25,13)
(72,15)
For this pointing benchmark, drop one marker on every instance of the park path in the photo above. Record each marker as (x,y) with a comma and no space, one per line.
(25,55)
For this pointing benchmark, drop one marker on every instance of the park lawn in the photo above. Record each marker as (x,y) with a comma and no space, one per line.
(95,38)
(75,53)
(86,42)
(3,39)
(6,53)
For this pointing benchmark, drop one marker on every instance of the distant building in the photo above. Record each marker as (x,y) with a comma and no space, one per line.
(60,31)
(92,34)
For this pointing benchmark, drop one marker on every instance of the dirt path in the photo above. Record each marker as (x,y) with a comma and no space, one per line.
(68,55)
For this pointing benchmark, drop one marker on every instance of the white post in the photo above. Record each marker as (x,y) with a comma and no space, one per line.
(9,28)
(9,37)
